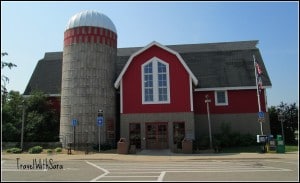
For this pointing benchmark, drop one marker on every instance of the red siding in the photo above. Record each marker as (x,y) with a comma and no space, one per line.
(179,84)
(239,101)
(90,35)
(55,103)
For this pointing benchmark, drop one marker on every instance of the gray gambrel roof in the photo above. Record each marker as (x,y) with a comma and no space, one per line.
(228,64)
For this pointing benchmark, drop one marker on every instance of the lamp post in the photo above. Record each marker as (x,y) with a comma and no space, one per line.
(207,101)
(22,128)
(281,119)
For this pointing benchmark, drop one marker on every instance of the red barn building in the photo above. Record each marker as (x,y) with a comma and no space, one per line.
(161,90)
(153,96)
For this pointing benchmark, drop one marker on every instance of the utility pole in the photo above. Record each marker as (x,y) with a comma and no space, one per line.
(257,92)
(281,119)
(207,101)
(22,129)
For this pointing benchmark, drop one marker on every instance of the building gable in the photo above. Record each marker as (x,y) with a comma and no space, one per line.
(168,89)
(117,83)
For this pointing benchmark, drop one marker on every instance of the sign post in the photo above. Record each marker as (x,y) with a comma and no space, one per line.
(281,119)
(258,89)
(74,123)
(261,117)
(100,121)
(207,101)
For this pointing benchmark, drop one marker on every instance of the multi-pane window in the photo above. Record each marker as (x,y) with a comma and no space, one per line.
(148,82)
(162,82)
(155,81)
(221,98)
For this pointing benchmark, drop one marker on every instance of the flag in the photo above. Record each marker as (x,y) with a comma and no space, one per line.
(258,69)
(259,83)
(259,74)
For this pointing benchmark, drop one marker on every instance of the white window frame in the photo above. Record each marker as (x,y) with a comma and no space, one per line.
(216,98)
(155,61)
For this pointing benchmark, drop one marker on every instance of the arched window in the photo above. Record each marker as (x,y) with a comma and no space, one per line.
(155,82)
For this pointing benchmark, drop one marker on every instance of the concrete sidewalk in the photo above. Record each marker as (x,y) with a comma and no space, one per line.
(153,156)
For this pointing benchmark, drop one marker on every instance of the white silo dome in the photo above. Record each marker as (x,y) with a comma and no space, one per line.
(91,18)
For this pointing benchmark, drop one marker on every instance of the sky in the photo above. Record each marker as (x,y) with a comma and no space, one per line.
(29,29)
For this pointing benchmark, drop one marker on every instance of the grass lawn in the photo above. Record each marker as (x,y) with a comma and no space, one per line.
(252,149)
(290,148)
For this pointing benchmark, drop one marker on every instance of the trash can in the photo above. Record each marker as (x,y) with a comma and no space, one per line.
(187,146)
(262,140)
(69,148)
(122,146)
(280,144)
(271,144)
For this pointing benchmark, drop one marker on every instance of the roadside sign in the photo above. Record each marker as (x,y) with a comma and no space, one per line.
(261,117)
(261,114)
(74,122)
(100,121)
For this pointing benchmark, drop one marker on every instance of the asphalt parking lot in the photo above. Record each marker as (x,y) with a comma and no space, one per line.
(151,167)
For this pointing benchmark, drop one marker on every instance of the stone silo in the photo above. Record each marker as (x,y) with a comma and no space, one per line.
(88,70)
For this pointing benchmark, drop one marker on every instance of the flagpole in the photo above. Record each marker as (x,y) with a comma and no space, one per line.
(258,97)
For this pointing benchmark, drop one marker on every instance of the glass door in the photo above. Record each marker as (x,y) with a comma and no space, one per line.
(178,133)
(157,135)
(135,134)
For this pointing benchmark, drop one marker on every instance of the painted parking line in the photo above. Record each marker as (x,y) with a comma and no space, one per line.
(161,176)
(295,162)
(116,171)
(100,168)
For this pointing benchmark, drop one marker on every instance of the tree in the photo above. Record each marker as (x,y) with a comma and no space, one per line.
(42,123)
(11,117)
(290,123)
(41,120)
(4,78)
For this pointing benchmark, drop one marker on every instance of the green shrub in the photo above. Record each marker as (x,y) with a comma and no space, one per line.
(105,146)
(203,143)
(49,151)
(247,140)
(235,139)
(58,149)
(35,150)
(14,150)
(227,138)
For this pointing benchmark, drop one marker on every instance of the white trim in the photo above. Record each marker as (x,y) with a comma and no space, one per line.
(229,88)
(191,94)
(216,98)
(117,82)
(154,61)
(121,96)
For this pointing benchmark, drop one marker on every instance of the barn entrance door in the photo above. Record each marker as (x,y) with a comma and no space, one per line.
(157,135)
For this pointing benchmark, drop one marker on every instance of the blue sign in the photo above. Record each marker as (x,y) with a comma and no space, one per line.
(261,114)
(74,122)
(100,121)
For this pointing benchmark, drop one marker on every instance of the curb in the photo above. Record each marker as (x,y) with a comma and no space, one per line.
(137,157)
